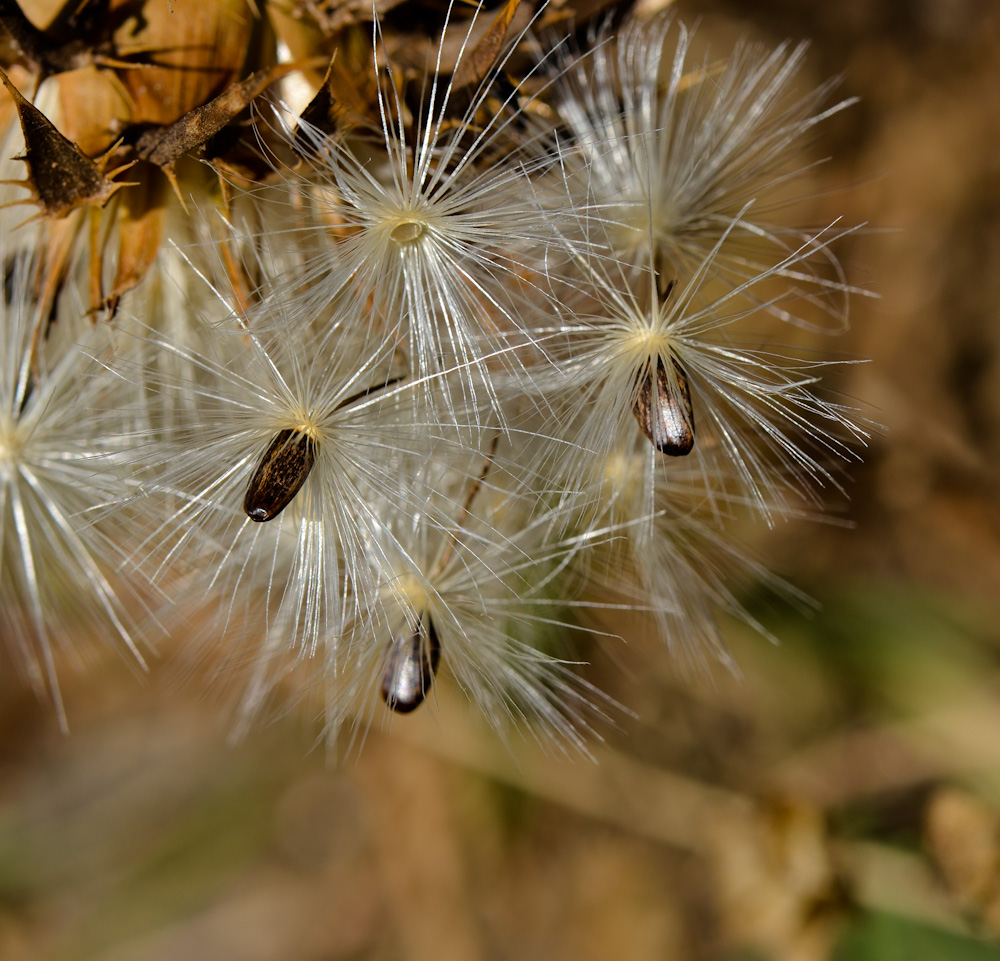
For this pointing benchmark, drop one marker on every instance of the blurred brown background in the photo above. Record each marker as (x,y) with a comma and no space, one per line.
(839,801)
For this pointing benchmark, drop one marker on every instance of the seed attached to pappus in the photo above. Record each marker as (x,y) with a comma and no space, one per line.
(280,475)
(669,421)
(406,231)
(410,668)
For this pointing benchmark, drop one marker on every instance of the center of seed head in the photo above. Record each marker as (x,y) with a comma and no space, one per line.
(645,340)
(309,428)
(9,445)
(406,231)
(617,470)
(619,477)
(412,588)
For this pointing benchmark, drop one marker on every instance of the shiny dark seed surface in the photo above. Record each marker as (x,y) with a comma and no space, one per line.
(410,667)
(667,420)
(280,475)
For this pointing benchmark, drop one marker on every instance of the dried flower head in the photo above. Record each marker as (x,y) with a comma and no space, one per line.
(487,337)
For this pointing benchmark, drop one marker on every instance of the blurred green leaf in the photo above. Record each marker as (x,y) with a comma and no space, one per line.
(884,937)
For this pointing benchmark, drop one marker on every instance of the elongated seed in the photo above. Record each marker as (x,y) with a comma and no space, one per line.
(409,671)
(280,474)
(668,421)
(286,464)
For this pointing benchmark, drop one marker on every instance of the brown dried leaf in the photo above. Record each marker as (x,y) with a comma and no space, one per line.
(34,48)
(164,146)
(60,237)
(186,51)
(60,175)
(70,36)
(22,34)
(353,81)
(344,97)
(777,885)
(323,112)
(142,221)
(95,109)
(476,63)
(963,836)
(20,77)
(413,47)
(43,13)
(302,37)
(332,16)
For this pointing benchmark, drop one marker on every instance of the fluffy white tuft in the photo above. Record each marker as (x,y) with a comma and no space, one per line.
(59,464)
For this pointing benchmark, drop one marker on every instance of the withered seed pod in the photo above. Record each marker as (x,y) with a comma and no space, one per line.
(410,667)
(280,474)
(668,423)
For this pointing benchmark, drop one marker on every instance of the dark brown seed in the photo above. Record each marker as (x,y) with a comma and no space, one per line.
(667,420)
(280,475)
(409,670)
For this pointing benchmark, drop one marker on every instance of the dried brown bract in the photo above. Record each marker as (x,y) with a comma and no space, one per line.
(476,64)
(82,42)
(164,146)
(61,177)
